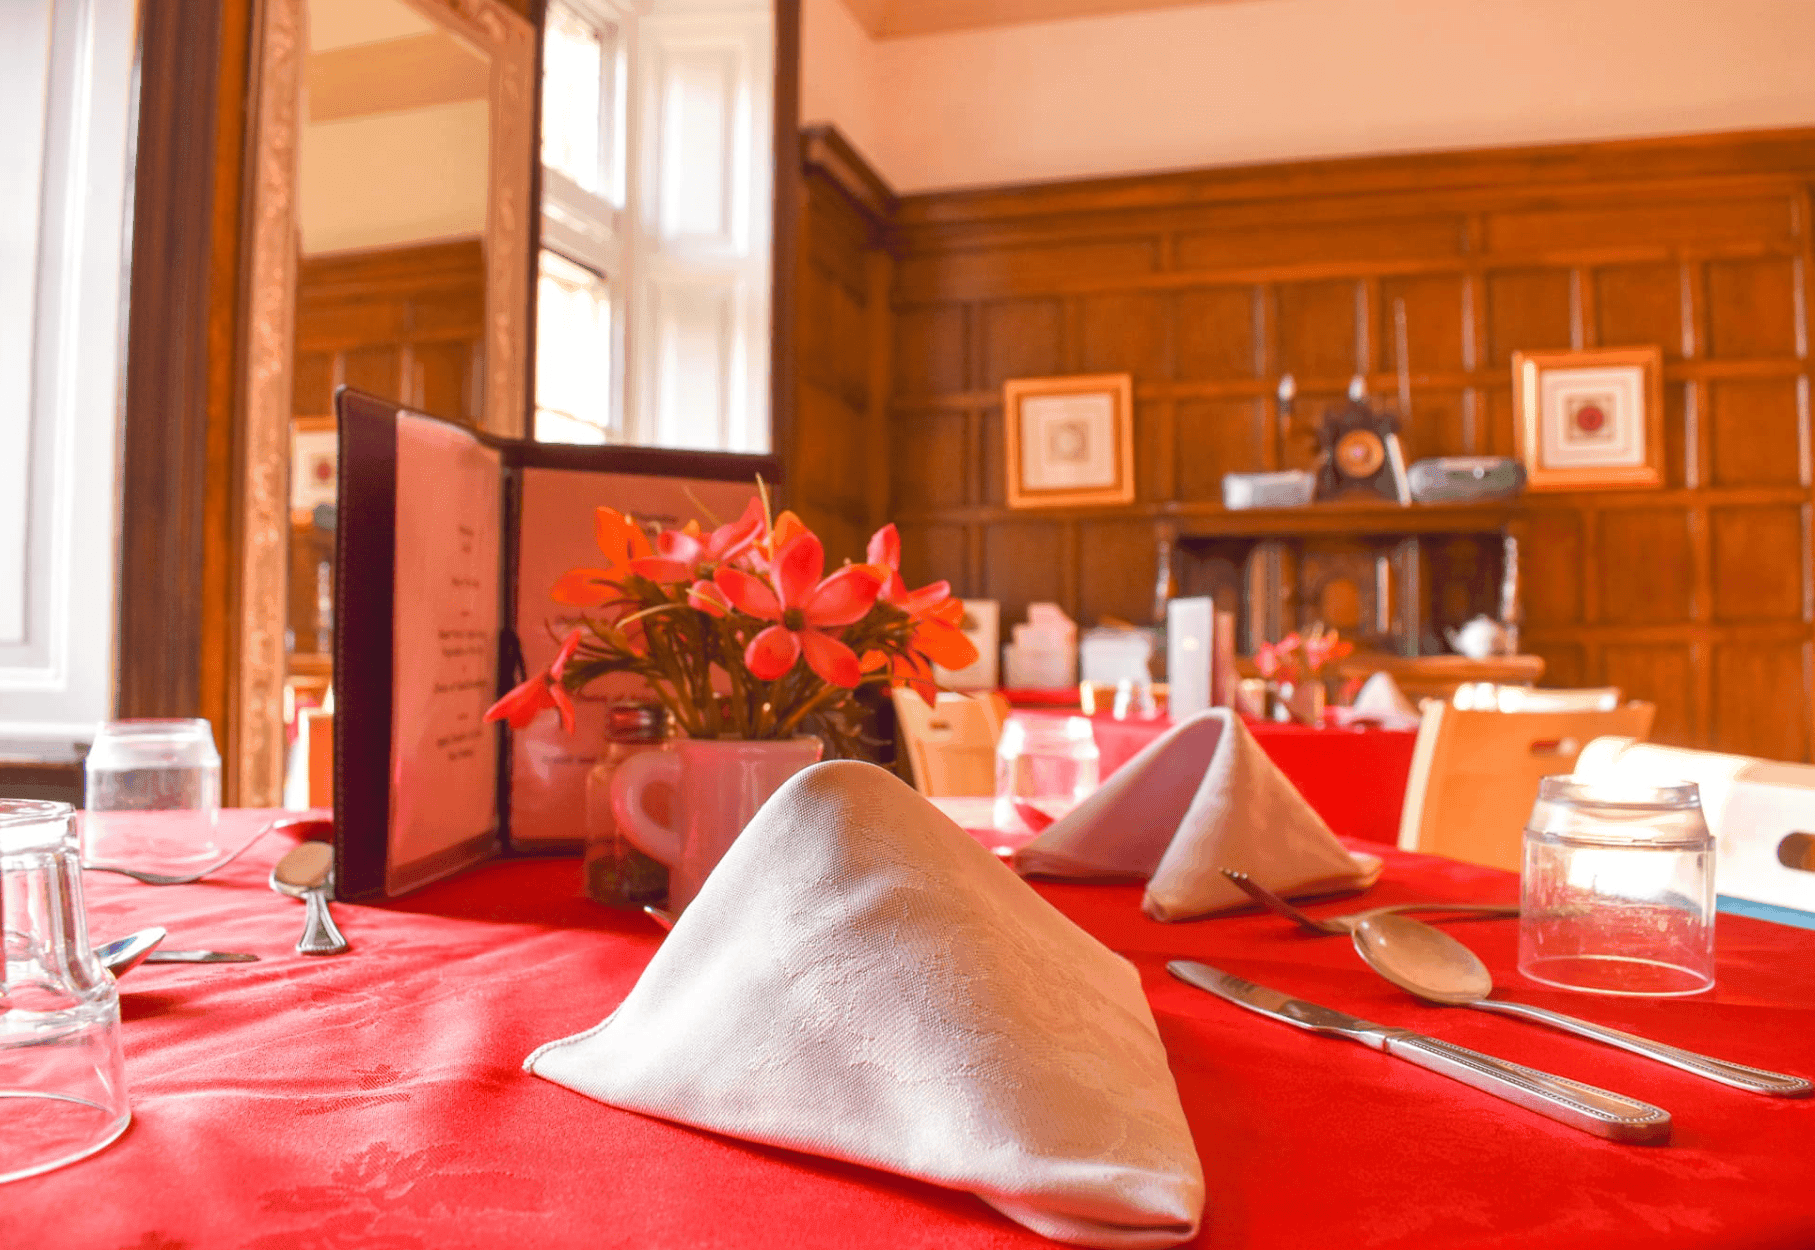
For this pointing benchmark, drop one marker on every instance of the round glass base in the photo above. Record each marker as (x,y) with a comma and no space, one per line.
(39,1132)
(1617,974)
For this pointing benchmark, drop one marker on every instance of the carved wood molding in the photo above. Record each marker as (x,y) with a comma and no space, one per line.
(509,42)
(255,709)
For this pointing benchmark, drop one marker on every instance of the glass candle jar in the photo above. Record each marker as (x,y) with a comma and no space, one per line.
(1046,762)
(1617,895)
(617,873)
(153,795)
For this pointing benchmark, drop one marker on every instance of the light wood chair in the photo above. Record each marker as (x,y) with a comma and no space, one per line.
(1437,676)
(1475,774)
(1488,697)
(1759,811)
(951,748)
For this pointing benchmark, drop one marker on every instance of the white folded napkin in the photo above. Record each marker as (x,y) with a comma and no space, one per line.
(1381,699)
(1202,797)
(860,979)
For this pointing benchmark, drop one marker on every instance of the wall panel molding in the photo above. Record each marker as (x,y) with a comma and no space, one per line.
(1208,285)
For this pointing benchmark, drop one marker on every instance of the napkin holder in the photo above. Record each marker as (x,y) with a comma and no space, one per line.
(447,543)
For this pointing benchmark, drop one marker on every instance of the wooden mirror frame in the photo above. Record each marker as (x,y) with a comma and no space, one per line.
(257,666)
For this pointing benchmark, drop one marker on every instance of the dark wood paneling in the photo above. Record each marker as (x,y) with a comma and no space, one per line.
(1207,285)
(165,454)
(404,323)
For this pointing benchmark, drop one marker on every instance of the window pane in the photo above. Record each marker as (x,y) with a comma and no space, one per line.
(573,354)
(574,96)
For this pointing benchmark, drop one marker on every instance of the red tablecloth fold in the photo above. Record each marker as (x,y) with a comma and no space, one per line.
(1354,778)
(375,1099)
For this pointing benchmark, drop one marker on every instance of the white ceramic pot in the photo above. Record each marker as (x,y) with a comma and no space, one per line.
(717,786)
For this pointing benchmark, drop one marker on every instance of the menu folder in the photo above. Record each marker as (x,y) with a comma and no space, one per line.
(447,541)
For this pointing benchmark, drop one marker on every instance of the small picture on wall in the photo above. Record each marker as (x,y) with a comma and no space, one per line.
(1070,440)
(1590,420)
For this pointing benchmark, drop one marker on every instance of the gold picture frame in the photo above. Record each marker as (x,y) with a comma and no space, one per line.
(1591,420)
(1070,440)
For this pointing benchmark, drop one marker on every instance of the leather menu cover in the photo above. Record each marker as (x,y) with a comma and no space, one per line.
(419,539)
(447,541)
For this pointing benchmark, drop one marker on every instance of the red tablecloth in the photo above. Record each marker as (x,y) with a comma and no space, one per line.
(376,1100)
(1354,778)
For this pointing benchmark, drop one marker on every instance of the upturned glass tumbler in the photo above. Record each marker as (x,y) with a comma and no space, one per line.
(1617,895)
(62,1080)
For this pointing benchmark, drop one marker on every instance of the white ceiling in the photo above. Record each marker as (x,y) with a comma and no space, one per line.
(347,23)
(887,19)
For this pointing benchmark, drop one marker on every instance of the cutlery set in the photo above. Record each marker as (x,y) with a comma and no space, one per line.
(304,872)
(1434,967)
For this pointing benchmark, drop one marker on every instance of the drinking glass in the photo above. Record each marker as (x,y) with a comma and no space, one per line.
(62,1080)
(1617,895)
(154,796)
(1046,762)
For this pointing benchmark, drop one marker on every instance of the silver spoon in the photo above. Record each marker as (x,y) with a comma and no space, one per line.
(122,955)
(1430,964)
(307,872)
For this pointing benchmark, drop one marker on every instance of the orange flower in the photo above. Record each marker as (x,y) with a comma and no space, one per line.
(622,541)
(933,609)
(525,702)
(801,605)
(682,555)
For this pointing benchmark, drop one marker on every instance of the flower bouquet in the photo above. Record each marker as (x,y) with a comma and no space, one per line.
(1296,666)
(740,633)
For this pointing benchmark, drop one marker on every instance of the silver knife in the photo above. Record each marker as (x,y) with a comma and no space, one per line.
(1597,1111)
(199,957)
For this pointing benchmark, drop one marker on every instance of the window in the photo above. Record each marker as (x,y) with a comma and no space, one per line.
(573,354)
(653,308)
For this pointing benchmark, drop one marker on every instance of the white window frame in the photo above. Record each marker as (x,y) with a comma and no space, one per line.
(67,79)
(592,230)
(655,278)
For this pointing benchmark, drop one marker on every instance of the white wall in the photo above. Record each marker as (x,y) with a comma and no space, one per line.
(393,179)
(65,91)
(1270,80)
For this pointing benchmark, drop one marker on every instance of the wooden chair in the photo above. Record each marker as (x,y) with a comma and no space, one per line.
(1487,697)
(1759,811)
(952,747)
(1475,774)
(1437,676)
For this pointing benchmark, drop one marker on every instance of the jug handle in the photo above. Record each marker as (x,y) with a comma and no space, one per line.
(628,786)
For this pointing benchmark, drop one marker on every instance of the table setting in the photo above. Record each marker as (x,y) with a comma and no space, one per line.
(859,1023)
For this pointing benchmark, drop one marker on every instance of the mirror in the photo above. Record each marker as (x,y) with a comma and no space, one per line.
(653,283)
(393,245)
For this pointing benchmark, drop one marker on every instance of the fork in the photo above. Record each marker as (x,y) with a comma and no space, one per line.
(1346,923)
(159,878)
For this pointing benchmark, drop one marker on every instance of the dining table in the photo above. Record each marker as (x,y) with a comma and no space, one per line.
(1353,775)
(376,1100)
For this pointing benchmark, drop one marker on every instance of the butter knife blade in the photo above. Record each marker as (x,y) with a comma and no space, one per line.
(199,957)
(1586,1107)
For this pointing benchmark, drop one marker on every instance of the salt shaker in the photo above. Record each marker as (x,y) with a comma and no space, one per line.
(617,873)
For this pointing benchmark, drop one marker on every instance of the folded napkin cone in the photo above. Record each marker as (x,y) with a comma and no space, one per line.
(860,979)
(1202,797)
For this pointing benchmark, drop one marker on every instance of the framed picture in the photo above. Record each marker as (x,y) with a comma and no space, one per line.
(1070,440)
(1590,420)
(314,462)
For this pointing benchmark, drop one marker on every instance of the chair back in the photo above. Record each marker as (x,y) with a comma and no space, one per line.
(951,747)
(1475,774)
(1761,813)
(1486,696)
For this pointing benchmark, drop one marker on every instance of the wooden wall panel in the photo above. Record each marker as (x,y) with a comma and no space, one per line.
(406,323)
(843,456)
(1208,286)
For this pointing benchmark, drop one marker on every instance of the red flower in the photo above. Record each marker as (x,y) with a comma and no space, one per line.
(525,702)
(682,555)
(801,605)
(623,543)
